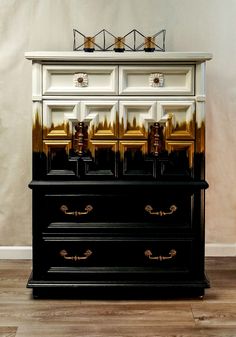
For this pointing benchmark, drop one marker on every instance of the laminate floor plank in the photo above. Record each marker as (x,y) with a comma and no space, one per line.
(223,279)
(215,314)
(220,295)
(220,263)
(70,312)
(8,331)
(121,331)
(23,316)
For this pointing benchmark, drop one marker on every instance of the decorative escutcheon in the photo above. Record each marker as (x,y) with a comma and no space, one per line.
(86,254)
(156,80)
(149,209)
(81,79)
(65,210)
(172,254)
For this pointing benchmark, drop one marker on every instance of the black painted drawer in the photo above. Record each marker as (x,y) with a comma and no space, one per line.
(83,258)
(162,209)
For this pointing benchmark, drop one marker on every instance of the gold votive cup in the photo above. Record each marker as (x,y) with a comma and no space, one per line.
(149,43)
(89,43)
(119,44)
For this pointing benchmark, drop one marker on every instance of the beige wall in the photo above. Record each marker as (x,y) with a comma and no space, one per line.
(192,25)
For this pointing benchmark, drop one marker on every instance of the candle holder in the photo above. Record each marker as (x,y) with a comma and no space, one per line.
(89,44)
(119,44)
(149,43)
(132,41)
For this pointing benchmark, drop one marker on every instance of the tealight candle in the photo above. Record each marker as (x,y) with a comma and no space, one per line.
(149,43)
(89,43)
(119,44)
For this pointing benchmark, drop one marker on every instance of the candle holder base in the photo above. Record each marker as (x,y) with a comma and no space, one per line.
(119,50)
(89,50)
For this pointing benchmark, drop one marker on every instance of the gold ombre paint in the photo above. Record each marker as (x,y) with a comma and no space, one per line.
(57,131)
(188,146)
(37,133)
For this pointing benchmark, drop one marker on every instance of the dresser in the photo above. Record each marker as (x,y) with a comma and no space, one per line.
(118,174)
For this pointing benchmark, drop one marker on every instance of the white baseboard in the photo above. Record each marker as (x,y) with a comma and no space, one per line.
(16,252)
(25,252)
(220,249)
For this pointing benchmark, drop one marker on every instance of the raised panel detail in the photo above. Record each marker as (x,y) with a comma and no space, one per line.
(102,160)
(101,117)
(177,80)
(58,117)
(57,154)
(134,158)
(179,160)
(135,117)
(180,117)
(61,79)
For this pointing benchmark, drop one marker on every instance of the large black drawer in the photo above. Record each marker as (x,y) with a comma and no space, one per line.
(115,258)
(163,209)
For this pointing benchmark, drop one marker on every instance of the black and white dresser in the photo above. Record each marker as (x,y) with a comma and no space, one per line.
(118,173)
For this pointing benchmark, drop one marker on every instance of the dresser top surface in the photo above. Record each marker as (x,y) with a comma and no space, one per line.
(114,56)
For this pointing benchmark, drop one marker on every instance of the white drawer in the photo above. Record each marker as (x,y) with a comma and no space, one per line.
(80,80)
(156,80)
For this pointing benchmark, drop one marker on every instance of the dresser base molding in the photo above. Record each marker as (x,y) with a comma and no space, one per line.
(118,290)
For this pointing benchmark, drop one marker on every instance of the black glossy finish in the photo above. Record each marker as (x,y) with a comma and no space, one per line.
(118,231)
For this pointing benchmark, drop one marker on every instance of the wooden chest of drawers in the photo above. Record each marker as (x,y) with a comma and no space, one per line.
(118,174)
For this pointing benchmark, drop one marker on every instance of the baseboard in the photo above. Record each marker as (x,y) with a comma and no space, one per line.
(220,249)
(25,252)
(16,252)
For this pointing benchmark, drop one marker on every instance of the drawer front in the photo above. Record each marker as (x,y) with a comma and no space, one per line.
(156,80)
(80,80)
(115,258)
(76,208)
(162,210)
(166,210)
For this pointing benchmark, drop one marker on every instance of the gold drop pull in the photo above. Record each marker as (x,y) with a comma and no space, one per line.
(149,209)
(172,254)
(87,209)
(86,254)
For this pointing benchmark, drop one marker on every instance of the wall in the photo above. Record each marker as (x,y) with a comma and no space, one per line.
(27,25)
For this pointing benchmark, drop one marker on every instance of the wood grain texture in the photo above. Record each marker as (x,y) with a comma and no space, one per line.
(22,316)
(7,331)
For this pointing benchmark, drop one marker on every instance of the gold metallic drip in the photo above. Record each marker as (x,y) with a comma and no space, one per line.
(60,131)
(200,138)
(132,129)
(37,134)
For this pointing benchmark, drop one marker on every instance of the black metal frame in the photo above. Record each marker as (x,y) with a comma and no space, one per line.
(134,34)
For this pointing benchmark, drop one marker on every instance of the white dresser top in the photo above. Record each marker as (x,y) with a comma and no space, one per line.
(114,56)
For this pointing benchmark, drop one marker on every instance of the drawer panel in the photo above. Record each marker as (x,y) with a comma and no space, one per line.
(84,208)
(156,80)
(161,210)
(83,258)
(80,80)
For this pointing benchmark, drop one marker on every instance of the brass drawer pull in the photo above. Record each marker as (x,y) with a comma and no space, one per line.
(149,209)
(87,209)
(86,254)
(172,254)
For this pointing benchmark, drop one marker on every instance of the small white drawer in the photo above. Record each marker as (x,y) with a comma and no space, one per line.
(156,80)
(80,80)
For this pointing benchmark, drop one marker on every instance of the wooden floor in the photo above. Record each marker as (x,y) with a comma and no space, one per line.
(22,316)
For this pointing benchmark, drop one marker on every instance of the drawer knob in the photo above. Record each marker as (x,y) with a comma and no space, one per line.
(81,79)
(66,211)
(86,254)
(156,80)
(172,254)
(149,209)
